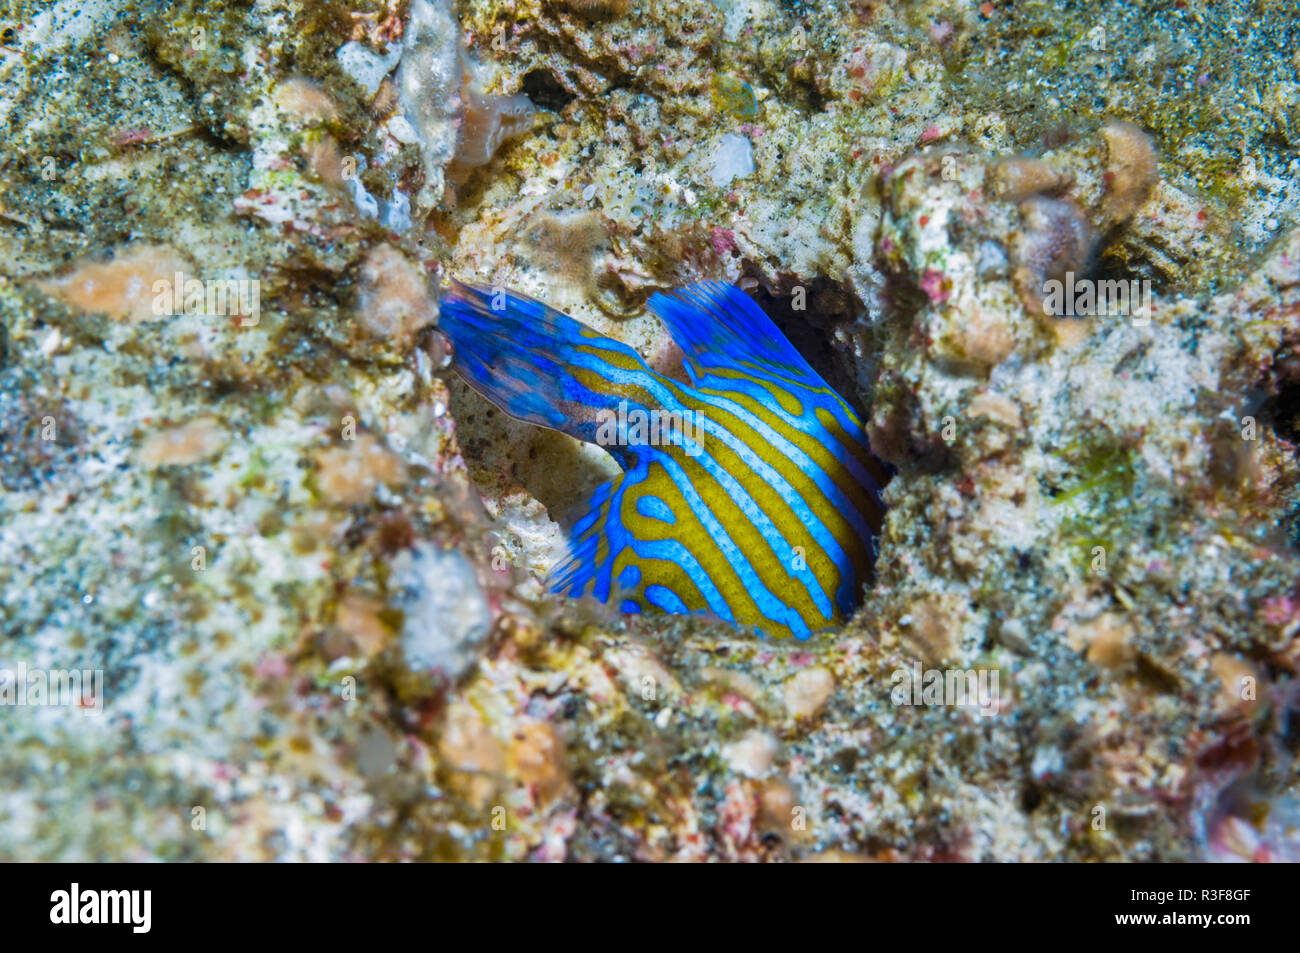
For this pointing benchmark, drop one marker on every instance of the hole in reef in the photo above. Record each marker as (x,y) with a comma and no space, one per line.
(1030,798)
(1282,413)
(1112,265)
(545,91)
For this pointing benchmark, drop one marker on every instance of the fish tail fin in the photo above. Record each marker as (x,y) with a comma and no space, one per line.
(539,365)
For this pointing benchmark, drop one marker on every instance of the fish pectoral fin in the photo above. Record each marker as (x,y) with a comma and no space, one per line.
(587,565)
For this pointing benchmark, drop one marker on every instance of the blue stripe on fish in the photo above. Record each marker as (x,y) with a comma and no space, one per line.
(751,495)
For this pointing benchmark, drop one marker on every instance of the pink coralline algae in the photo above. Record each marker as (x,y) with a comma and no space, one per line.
(933,284)
(1282,611)
(723,239)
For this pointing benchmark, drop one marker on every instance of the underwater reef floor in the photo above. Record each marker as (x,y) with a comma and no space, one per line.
(300,561)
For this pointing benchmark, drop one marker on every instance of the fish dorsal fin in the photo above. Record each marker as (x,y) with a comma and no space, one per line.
(719,328)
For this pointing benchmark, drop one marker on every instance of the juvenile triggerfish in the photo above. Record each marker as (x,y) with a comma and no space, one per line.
(750,493)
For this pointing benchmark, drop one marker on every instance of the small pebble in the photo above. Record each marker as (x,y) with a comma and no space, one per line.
(807,692)
(752,754)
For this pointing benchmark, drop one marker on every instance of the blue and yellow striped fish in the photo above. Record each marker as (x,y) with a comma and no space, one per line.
(749,493)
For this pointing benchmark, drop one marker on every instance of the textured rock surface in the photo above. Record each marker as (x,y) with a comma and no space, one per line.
(306,559)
